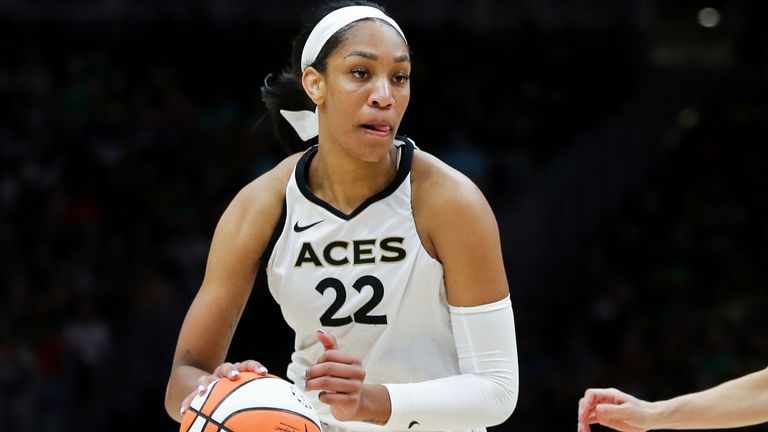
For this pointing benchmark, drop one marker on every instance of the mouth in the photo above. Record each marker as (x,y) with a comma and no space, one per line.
(378,129)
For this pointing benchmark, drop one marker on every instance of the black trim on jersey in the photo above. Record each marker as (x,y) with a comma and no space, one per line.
(302,171)
(275,235)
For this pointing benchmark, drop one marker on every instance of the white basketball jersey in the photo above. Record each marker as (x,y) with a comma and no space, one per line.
(365,278)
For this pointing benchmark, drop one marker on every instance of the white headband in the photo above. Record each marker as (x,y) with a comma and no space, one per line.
(306,122)
(335,21)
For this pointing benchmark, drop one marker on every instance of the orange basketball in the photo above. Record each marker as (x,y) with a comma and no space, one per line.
(251,403)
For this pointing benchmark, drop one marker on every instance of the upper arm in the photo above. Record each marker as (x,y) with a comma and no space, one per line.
(457,222)
(238,242)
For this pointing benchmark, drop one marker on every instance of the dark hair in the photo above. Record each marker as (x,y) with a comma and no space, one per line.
(284,90)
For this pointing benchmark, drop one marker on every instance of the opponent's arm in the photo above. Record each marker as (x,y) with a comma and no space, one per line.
(739,402)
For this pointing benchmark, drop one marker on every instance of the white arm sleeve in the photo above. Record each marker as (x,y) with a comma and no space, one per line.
(485,394)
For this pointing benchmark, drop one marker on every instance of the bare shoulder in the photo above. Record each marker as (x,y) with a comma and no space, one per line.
(458,228)
(438,187)
(267,191)
(251,217)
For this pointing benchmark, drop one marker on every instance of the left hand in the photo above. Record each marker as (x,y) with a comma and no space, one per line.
(229,370)
(339,377)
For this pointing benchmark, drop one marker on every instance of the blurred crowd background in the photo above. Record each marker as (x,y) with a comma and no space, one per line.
(622,146)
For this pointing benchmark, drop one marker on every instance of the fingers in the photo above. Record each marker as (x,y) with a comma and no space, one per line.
(202,384)
(335,356)
(586,405)
(586,410)
(185,403)
(232,370)
(226,370)
(202,387)
(229,370)
(335,371)
(608,395)
(607,407)
(594,398)
(335,377)
(252,366)
(328,340)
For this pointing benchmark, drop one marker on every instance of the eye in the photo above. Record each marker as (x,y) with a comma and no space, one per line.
(359,73)
(401,78)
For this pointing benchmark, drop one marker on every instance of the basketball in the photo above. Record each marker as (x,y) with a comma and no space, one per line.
(251,403)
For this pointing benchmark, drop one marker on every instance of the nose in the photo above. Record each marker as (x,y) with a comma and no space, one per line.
(381,96)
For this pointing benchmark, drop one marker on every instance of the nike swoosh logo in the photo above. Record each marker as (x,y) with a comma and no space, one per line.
(298,228)
(413,423)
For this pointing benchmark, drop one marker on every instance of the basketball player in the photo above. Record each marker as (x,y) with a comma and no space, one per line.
(387,263)
(740,402)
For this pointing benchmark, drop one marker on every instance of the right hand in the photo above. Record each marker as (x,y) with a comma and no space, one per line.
(229,370)
(339,377)
(614,409)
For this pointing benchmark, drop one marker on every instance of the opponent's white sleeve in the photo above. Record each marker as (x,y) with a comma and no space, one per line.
(485,394)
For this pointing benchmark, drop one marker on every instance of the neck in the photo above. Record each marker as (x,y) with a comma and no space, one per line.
(345,182)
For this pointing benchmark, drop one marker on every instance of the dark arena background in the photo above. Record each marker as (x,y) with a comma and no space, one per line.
(622,144)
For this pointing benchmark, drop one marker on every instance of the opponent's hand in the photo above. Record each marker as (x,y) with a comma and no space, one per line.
(614,409)
(339,377)
(228,370)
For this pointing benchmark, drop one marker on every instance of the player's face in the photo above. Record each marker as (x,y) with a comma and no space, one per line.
(367,89)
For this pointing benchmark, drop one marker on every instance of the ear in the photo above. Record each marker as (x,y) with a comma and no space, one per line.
(314,84)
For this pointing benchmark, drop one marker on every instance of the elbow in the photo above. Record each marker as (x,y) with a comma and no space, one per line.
(506,402)
(504,397)
(511,404)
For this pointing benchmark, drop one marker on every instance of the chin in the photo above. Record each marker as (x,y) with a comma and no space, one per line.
(376,149)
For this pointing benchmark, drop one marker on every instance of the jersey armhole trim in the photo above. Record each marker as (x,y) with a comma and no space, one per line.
(267,255)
